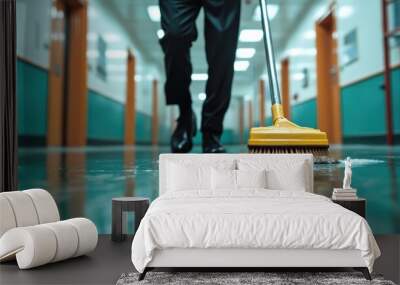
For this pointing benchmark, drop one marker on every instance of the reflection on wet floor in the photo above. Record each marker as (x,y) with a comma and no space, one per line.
(84,180)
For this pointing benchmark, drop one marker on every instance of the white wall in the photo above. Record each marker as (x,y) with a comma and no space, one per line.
(365,17)
(301,51)
(33,30)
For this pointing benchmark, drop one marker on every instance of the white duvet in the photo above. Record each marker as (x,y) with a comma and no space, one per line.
(250,219)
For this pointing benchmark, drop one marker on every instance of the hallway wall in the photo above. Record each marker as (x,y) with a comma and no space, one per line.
(361,81)
(106,96)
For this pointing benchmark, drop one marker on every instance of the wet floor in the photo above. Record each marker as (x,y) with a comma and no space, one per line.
(84,180)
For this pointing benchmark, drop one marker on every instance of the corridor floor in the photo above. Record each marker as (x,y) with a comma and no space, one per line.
(84,180)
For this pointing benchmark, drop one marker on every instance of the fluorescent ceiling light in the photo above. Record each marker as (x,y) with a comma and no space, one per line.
(245,52)
(241,65)
(310,35)
(302,52)
(154,13)
(272,10)
(199,76)
(251,35)
(202,96)
(298,76)
(160,33)
(345,11)
(116,54)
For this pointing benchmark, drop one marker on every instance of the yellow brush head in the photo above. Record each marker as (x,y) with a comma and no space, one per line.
(286,137)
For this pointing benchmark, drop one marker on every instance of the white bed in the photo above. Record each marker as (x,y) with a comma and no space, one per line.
(248,227)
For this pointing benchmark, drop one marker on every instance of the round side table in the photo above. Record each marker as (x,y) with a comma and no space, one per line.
(120,206)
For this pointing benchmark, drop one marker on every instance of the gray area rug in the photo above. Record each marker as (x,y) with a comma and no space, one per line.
(228,278)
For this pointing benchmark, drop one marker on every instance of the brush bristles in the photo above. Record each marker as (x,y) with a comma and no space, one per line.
(315,150)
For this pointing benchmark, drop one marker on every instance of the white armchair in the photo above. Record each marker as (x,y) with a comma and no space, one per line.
(31,230)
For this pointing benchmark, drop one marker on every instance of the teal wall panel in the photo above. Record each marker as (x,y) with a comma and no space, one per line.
(105,118)
(363,107)
(143,128)
(305,113)
(396,99)
(32,93)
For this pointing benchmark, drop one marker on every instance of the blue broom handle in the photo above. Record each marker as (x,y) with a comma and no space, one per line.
(273,84)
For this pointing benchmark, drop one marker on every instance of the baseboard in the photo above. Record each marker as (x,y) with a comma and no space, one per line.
(31,141)
(375,140)
(99,142)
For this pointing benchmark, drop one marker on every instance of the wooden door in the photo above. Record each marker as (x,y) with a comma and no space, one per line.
(55,113)
(77,73)
(130,102)
(285,87)
(328,89)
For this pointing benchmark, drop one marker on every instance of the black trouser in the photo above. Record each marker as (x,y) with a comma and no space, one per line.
(221,28)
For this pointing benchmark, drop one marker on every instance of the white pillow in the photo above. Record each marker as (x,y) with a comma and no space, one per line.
(293,180)
(281,174)
(223,179)
(183,177)
(251,178)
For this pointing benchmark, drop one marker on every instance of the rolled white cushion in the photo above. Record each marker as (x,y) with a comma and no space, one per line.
(23,208)
(67,240)
(87,235)
(45,205)
(33,246)
(37,245)
(7,218)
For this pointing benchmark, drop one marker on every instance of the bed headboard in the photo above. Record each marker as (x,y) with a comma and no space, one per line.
(210,158)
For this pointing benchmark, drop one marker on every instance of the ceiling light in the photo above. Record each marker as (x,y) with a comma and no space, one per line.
(116,54)
(202,96)
(345,11)
(298,76)
(199,76)
(302,52)
(251,35)
(245,52)
(272,10)
(310,35)
(241,65)
(160,33)
(154,13)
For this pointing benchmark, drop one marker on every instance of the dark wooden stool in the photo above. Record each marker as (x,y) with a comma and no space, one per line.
(122,205)
(357,205)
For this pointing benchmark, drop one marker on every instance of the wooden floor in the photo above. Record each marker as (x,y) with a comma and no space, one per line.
(110,260)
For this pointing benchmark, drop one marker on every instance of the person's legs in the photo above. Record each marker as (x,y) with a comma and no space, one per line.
(222,20)
(178,22)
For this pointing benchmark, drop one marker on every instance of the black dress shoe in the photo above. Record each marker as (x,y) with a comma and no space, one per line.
(211,144)
(181,140)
